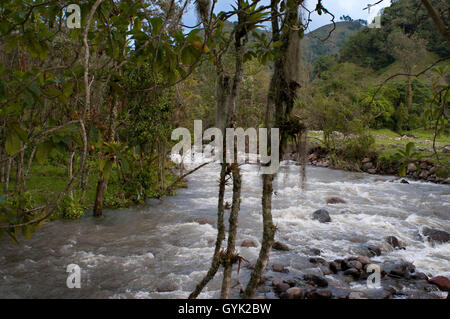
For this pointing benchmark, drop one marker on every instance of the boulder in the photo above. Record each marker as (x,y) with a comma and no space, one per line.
(335,267)
(367,166)
(436,235)
(356,295)
(280,246)
(167,287)
(366,160)
(294,293)
(355,273)
(319,294)
(203,221)
(393,241)
(318,260)
(404,181)
(412,168)
(372,171)
(249,243)
(424,173)
(322,216)
(442,282)
(315,252)
(281,287)
(347,264)
(363,260)
(335,200)
(374,250)
(419,276)
(279,268)
(316,280)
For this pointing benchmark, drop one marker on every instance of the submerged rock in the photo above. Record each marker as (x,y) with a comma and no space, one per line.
(394,242)
(279,268)
(355,273)
(374,250)
(322,216)
(436,235)
(167,287)
(249,243)
(280,246)
(335,200)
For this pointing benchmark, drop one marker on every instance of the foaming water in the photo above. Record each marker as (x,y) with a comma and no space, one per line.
(131,252)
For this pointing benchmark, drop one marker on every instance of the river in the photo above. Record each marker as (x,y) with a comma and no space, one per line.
(130,252)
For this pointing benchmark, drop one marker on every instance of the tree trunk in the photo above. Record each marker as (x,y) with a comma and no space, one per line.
(281,96)
(7,174)
(216,260)
(103,182)
(100,196)
(233,221)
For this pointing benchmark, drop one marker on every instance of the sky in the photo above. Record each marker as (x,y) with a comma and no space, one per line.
(352,8)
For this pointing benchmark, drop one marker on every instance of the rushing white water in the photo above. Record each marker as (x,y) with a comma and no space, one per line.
(131,252)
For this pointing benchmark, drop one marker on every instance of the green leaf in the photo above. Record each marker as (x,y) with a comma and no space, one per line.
(156,24)
(43,151)
(106,167)
(12,142)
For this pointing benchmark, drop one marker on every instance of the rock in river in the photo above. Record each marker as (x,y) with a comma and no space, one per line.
(393,241)
(249,243)
(280,246)
(322,216)
(317,280)
(335,200)
(436,235)
(442,282)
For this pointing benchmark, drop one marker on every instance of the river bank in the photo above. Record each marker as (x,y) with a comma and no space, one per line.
(379,159)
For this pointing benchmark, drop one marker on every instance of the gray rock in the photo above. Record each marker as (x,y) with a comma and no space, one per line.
(167,287)
(355,273)
(412,167)
(249,243)
(363,260)
(356,295)
(280,246)
(335,266)
(436,235)
(294,293)
(393,241)
(335,200)
(322,216)
(281,287)
(374,250)
(319,294)
(318,260)
(279,268)
(317,280)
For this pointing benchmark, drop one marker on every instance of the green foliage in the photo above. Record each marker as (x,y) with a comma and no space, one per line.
(405,157)
(70,208)
(358,146)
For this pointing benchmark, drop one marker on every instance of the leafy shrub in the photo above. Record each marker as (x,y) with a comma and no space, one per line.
(358,146)
(70,208)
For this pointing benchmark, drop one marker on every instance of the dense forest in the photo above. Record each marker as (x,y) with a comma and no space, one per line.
(87,106)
